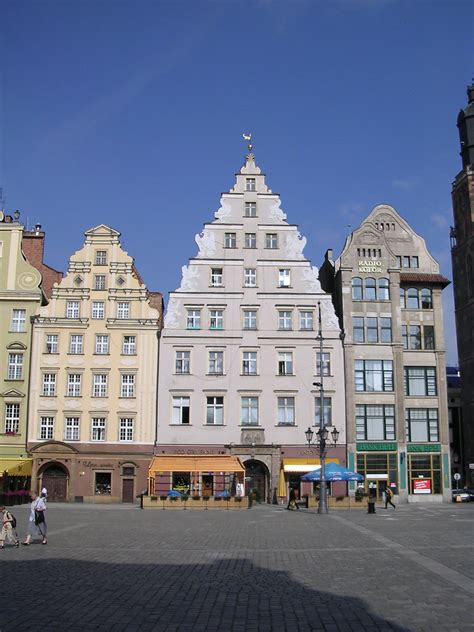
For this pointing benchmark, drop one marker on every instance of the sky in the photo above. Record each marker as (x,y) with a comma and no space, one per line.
(131,114)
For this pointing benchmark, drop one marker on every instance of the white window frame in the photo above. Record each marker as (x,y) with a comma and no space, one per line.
(271,241)
(217,277)
(98,310)
(18,323)
(250,184)
(216,362)
(123,310)
(129,347)
(100,282)
(250,277)
(98,429)
(100,257)
(216,319)
(285,320)
(99,384)
(15,366)
(76,344)
(327,410)
(126,429)
(49,385)
(12,417)
(250,240)
(74,385)
(72,428)
(46,427)
(284,277)
(230,240)
(73,309)
(52,343)
(249,363)
(285,363)
(249,413)
(181,404)
(249,319)
(286,411)
(127,385)
(182,362)
(326,364)
(193,320)
(101,344)
(250,209)
(214,410)
(306,320)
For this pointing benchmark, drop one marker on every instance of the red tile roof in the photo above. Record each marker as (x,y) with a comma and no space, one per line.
(418,277)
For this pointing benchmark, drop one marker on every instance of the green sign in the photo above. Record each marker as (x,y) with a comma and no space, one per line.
(377,447)
(422,447)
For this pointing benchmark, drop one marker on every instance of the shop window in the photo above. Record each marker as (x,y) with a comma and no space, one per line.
(181,482)
(424,472)
(103,483)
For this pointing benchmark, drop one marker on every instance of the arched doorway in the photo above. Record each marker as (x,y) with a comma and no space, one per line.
(54,478)
(256,477)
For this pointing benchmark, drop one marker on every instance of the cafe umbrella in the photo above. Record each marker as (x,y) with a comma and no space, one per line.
(334,472)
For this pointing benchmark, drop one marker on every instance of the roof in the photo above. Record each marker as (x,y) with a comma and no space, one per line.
(156,300)
(419,277)
(208,463)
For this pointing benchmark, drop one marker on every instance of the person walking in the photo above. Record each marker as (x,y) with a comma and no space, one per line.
(8,528)
(36,521)
(388,497)
(292,504)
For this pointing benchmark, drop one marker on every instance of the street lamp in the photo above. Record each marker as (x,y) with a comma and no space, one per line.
(322,433)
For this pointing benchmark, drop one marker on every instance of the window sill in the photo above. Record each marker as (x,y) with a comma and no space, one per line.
(249,426)
(127,396)
(128,355)
(14,379)
(284,375)
(13,331)
(52,395)
(215,374)
(285,425)
(10,434)
(179,425)
(50,352)
(181,373)
(72,396)
(249,374)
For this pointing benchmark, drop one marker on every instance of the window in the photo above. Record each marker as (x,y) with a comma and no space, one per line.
(250,184)
(284,278)
(250,240)
(216,320)
(411,337)
(129,345)
(327,411)
(249,363)
(412,298)
(99,281)
(408,262)
(216,277)
(127,385)
(427,466)
(15,366)
(182,362)
(99,388)
(375,423)
(76,344)
(370,293)
(103,483)
(372,329)
(12,418)
(194,319)
(74,384)
(18,320)
(426,299)
(250,319)
(102,344)
(358,329)
(123,310)
(181,410)
(385,329)
(373,375)
(101,257)
(286,411)
(71,429)
(414,262)
(422,424)
(72,309)
(250,209)
(357,294)
(271,241)
(215,411)
(326,363)
(216,362)
(230,240)
(52,343)
(428,337)
(249,411)
(285,319)
(250,277)
(420,381)
(49,384)
(416,299)
(98,310)
(306,321)
(98,428)
(126,429)
(384,289)
(46,427)
(285,363)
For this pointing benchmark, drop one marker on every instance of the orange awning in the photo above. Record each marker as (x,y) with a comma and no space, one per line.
(304,465)
(208,463)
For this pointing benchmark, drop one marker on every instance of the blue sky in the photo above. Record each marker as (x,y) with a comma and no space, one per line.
(131,114)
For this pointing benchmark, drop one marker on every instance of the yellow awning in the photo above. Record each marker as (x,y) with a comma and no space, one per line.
(281,484)
(16,467)
(304,465)
(208,463)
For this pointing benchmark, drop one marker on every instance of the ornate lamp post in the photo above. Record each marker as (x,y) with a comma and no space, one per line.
(322,433)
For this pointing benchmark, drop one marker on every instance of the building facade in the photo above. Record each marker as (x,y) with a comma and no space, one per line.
(92,415)
(462,255)
(20,299)
(387,292)
(239,353)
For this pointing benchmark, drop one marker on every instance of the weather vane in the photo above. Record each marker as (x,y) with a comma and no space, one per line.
(248,137)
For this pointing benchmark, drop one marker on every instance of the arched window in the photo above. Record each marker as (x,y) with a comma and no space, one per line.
(412,298)
(403,301)
(384,290)
(357,289)
(370,293)
(426,299)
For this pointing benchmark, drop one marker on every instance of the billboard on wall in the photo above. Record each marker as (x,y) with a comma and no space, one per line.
(422,486)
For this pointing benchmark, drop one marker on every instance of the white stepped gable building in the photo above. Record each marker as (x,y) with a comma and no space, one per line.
(239,353)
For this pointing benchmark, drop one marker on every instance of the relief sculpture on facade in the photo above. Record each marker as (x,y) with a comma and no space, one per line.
(294,245)
(224,211)
(173,314)
(206,242)
(190,278)
(275,214)
(311,276)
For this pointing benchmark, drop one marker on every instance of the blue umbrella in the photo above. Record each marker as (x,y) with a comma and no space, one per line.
(333,472)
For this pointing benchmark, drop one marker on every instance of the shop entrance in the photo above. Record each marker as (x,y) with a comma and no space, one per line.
(54,478)
(376,487)
(256,477)
(207,485)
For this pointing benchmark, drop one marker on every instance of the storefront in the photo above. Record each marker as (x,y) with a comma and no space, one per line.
(377,462)
(292,471)
(425,471)
(15,480)
(196,475)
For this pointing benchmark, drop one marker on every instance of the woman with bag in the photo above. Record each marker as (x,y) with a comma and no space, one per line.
(36,521)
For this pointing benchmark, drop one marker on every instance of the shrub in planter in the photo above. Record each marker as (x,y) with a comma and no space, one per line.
(184,498)
(154,498)
(173,498)
(238,499)
(162,497)
(196,497)
(216,498)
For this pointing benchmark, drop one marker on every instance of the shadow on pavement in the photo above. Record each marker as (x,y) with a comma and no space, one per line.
(229,594)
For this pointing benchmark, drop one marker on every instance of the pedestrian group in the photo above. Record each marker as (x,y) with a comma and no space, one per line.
(36,522)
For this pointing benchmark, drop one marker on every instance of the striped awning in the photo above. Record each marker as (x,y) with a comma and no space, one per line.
(16,467)
(304,465)
(205,463)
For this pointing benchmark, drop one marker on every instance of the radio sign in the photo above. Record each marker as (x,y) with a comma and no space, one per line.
(370,265)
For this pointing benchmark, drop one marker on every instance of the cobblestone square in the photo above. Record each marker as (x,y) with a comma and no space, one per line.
(264,569)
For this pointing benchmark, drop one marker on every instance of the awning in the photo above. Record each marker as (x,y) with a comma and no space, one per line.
(177,463)
(304,465)
(16,467)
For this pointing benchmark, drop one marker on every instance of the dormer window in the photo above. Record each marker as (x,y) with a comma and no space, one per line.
(250,184)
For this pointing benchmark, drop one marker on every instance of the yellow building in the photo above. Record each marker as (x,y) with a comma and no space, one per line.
(92,415)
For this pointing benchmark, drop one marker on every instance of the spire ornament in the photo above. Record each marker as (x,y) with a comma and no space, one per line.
(248,137)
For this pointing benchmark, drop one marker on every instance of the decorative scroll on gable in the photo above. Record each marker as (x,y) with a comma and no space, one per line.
(206,242)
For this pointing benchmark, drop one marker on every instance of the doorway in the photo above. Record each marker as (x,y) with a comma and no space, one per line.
(127,490)
(54,478)
(256,477)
